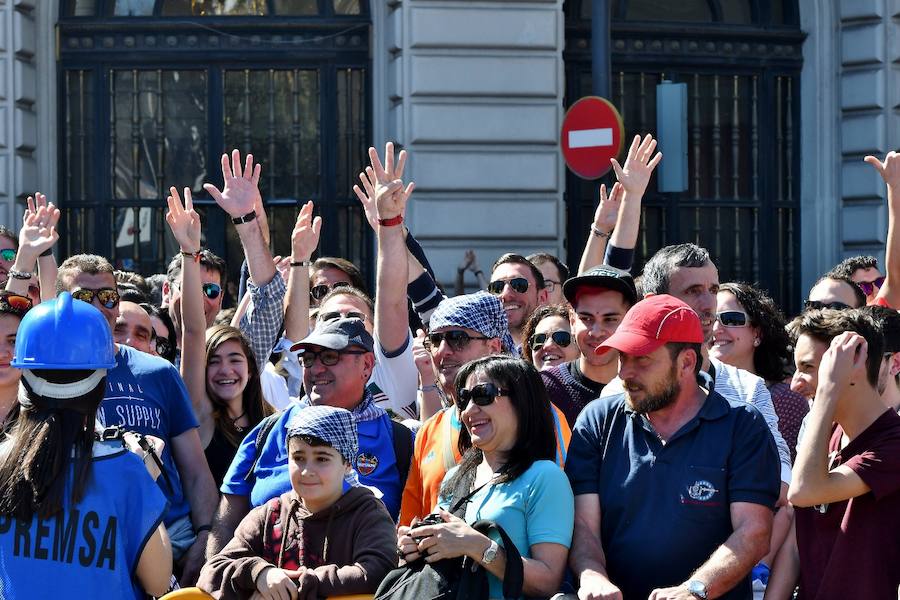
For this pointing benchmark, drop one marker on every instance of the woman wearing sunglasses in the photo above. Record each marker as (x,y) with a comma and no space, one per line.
(218,366)
(548,336)
(508,447)
(12,308)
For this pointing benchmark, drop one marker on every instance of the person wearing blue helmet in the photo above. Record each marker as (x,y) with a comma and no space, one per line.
(76,513)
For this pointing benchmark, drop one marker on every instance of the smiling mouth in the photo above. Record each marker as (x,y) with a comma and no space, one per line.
(550,357)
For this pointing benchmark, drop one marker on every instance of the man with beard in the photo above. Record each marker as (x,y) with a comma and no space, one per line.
(674,486)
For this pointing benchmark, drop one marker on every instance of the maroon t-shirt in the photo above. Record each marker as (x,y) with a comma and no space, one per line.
(852,549)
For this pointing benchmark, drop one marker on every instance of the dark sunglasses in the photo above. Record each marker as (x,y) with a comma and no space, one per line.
(212,290)
(14,303)
(163,347)
(518,284)
(328,357)
(732,318)
(869,287)
(816,305)
(481,394)
(317,292)
(457,339)
(331,316)
(8,254)
(108,297)
(560,338)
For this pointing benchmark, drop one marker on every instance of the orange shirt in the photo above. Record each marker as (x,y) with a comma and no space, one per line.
(436,452)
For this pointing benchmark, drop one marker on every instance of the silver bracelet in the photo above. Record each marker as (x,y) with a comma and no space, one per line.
(598,233)
(431,387)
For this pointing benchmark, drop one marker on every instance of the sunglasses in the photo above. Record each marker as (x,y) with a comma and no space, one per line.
(212,290)
(518,284)
(328,357)
(163,347)
(732,318)
(481,394)
(869,287)
(457,339)
(331,316)
(816,305)
(560,338)
(108,297)
(8,254)
(14,303)
(317,292)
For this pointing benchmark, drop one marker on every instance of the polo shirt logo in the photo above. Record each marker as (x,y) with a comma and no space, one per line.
(366,463)
(702,491)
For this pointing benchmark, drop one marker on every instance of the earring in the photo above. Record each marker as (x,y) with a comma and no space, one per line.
(756,342)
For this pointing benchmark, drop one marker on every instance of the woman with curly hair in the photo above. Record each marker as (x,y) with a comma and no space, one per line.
(548,339)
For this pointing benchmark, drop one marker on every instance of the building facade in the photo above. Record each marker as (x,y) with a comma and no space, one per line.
(105,103)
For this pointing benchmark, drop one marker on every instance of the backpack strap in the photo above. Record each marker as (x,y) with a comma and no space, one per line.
(262,434)
(403,449)
(514,575)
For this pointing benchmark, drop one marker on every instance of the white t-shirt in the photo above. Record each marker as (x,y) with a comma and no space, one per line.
(274,387)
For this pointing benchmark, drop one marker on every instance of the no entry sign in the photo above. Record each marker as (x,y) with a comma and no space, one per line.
(592,133)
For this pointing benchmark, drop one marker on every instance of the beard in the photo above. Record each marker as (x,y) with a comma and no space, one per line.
(659,398)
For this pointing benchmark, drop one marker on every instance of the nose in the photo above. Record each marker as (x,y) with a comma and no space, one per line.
(717,327)
(798,384)
(508,293)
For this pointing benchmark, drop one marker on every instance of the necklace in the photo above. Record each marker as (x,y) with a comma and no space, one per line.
(238,428)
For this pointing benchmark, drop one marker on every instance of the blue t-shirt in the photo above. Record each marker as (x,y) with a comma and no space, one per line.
(89,550)
(145,393)
(535,508)
(666,507)
(375,464)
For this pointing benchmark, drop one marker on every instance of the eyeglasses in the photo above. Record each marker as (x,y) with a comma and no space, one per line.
(550,285)
(482,394)
(8,254)
(732,318)
(328,357)
(163,347)
(518,284)
(456,339)
(869,287)
(14,303)
(332,315)
(560,338)
(108,297)
(212,290)
(816,305)
(317,292)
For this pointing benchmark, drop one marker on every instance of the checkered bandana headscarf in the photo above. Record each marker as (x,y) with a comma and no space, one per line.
(480,311)
(336,426)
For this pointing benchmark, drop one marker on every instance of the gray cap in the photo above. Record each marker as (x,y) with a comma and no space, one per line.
(338,334)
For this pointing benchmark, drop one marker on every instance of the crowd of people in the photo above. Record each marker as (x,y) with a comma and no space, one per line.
(661,435)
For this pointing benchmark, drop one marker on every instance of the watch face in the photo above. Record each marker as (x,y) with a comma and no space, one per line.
(697,588)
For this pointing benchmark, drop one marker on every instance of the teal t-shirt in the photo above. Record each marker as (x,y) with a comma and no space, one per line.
(537,507)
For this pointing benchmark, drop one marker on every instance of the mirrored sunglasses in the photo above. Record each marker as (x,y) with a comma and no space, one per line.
(482,394)
(328,357)
(732,318)
(108,297)
(14,303)
(870,287)
(518,284)
(560,338)
(212,290)
(317,292)
(457,339)
(8,254)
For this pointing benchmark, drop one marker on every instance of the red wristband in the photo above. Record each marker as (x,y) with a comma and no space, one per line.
(391,222)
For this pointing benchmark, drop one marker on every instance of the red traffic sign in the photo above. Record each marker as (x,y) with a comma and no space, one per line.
(592,133)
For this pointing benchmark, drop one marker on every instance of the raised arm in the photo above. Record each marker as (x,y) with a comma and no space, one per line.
(184,222)
(37,235)
(890,173)
(46,262)
(602,228)
(634,177)
(304,240)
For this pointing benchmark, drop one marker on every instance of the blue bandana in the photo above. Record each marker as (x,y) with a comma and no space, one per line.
(481,312)
(336,426)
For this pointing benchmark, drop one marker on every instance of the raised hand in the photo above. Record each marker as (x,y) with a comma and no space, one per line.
(305,237)
(639,165)
(608,210)
(241,193)
(845,356)
(183,220)
(391,170)
(889,169)
(38,232)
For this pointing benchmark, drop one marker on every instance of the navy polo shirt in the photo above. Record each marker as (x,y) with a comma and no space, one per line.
(665,508)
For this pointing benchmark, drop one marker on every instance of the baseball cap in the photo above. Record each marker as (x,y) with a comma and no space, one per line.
(602,276)
(652,322)
(338,334)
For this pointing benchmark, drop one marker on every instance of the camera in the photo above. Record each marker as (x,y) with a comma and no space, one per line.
(432,519)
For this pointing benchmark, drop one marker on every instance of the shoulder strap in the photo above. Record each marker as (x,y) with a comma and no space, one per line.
(447,443)
(403,449)
(266,427)
(514,575)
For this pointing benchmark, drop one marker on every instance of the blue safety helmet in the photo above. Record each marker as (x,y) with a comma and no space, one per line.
(64,334)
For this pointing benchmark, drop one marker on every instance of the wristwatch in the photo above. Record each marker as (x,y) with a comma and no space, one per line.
(697,589)
(491,553)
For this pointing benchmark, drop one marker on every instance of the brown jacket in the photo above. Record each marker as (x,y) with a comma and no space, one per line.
(349,547)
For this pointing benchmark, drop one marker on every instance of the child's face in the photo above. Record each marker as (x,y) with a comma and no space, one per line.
(317,473)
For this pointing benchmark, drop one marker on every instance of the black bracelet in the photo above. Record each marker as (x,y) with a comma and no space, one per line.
(245,219)
(479,271)
(202,528)
(47,252)
(301,263)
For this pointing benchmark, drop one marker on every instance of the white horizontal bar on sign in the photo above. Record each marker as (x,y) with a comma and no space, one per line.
(590,138)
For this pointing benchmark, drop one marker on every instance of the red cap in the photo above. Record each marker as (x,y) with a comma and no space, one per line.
(652,322)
